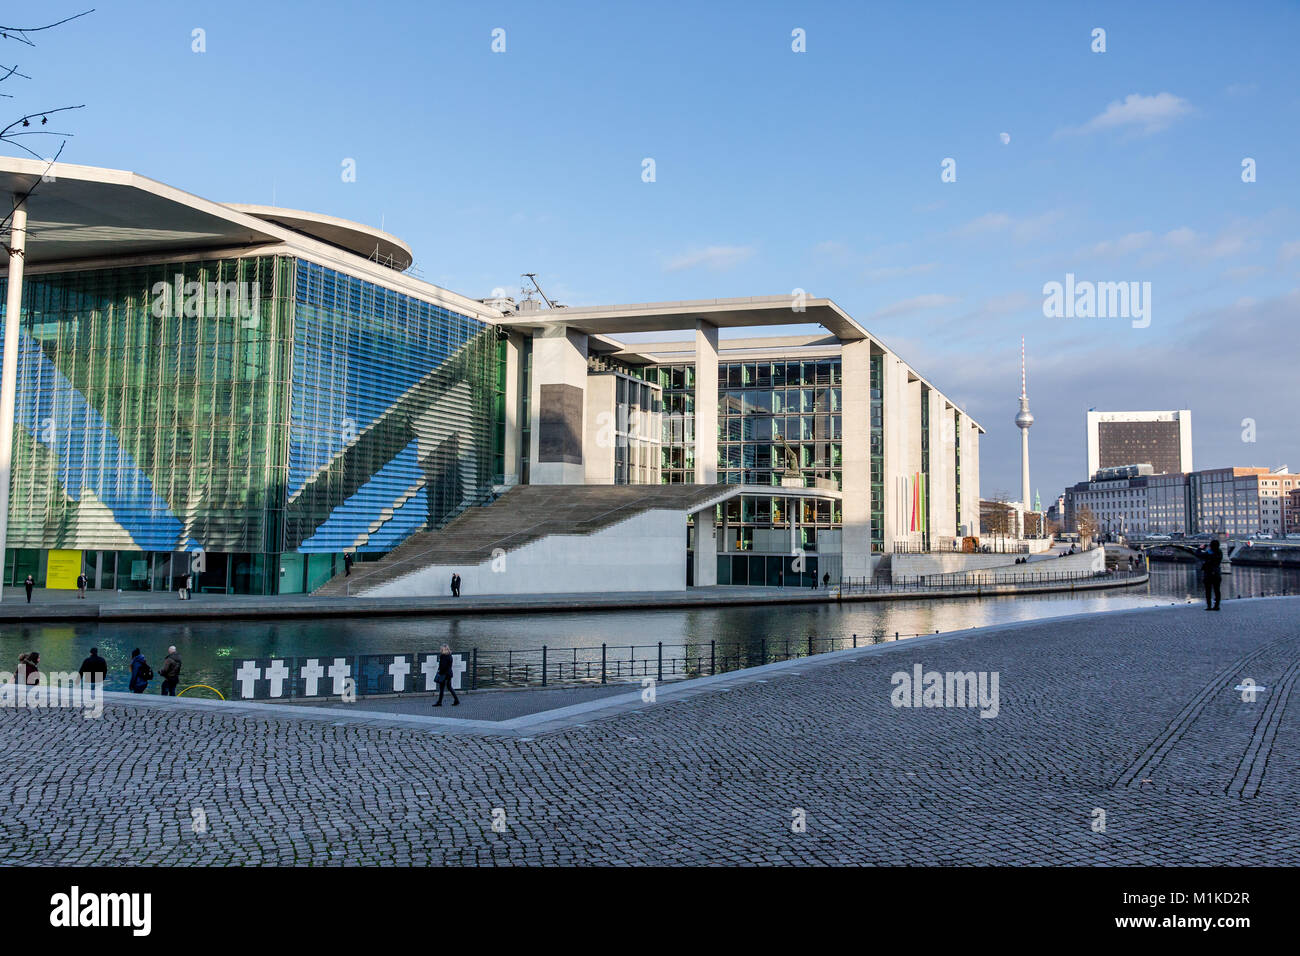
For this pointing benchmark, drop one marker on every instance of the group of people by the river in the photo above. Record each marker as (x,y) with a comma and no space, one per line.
(94,669)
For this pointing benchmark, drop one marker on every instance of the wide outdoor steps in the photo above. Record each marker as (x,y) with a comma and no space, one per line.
(524,513)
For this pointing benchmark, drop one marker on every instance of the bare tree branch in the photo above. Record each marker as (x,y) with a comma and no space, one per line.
(20,33)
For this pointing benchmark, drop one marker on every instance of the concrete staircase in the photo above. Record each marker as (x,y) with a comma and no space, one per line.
(523,514)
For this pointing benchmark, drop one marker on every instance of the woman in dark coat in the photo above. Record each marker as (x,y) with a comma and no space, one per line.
(444,676)
(1211,567)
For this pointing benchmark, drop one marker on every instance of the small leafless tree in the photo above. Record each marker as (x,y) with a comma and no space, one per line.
(37,122)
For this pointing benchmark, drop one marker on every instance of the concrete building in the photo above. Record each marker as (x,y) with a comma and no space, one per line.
(1117,499)
(245,394)
(1161,439)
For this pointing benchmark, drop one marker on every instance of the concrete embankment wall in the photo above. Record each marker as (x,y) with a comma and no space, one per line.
(565,564)
(1002,565)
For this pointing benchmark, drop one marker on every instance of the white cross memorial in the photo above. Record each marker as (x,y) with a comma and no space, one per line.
(248,675)
(399,669)
(312,672)
(339,672)
(430,667)
(277,674)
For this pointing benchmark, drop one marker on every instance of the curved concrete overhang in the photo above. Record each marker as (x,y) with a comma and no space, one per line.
(365,241)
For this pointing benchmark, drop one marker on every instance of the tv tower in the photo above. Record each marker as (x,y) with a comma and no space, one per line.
(1024,418)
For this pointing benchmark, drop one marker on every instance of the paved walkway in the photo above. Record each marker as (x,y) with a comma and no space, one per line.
(1133,713)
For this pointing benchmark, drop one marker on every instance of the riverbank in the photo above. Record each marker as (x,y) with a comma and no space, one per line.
(1186,769)
(51,606)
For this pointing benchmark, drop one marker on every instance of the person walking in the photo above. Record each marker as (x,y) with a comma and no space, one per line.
(94,669)
(29,584)
(185,586)
(81,585)
(171,672)
(141,673)
(347,564)
(444,676)
(455,584)
(826,580)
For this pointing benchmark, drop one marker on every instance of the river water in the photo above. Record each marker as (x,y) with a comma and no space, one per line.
(209,649)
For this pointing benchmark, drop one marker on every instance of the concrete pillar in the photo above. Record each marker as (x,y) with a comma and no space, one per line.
(897,426)
(514,372)
(706,548)
(706,403)
(558,406)
(9,371)
(855,449)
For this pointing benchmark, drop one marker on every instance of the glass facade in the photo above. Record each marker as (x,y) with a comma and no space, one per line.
(241,407)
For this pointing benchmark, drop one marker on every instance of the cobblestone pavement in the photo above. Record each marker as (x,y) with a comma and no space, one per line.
(1132,713)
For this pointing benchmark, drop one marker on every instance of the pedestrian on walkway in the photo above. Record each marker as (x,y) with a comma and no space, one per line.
(81,585)
(444,676)
(171,672)
(183,591)
(141,673)
(347,564)
(455,584)
(1212,569)
(29,584)
(94,669)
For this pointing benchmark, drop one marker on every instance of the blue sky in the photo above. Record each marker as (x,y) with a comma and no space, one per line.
(776,170)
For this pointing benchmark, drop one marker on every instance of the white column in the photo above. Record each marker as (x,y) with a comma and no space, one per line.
(9,373)
(706,548)
(559,406)
(511,450)
(706,403)
(1026,498)
(855,450)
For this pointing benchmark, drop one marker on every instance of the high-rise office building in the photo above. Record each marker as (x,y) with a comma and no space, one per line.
(1162,440)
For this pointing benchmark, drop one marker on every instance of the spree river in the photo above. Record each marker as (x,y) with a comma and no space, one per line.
(209,649)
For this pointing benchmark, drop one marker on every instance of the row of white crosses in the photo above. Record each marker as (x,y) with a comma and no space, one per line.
(339,670)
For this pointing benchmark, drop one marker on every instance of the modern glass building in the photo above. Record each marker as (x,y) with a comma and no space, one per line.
(245,417)
(243,395)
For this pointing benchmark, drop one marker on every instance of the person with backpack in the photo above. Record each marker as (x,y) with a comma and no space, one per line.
(81,585)
(141,673)
(171,672)
(444,676)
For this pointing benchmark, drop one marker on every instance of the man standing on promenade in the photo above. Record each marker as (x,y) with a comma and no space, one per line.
(1211,568)
(455,584)
(171,672)
(81,585)
(94,669)
(29,584)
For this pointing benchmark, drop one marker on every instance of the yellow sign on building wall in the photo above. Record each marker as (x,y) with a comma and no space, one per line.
(62,569)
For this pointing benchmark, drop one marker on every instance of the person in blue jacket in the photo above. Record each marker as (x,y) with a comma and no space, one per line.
(141,673)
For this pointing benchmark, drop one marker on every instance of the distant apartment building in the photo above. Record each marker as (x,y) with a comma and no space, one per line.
(1293,511)
(1162,439)
(1116,499)
(1238,501)
(1168,504)
(1231,502)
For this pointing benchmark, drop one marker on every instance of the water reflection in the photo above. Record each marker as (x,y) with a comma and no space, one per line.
(208,648)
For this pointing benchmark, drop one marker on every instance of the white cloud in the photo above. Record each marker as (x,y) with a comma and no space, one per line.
(715,258)
(898,272)
(1123,246)
(1021,229)
(1289,251)
(917,303)
(1146,114)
